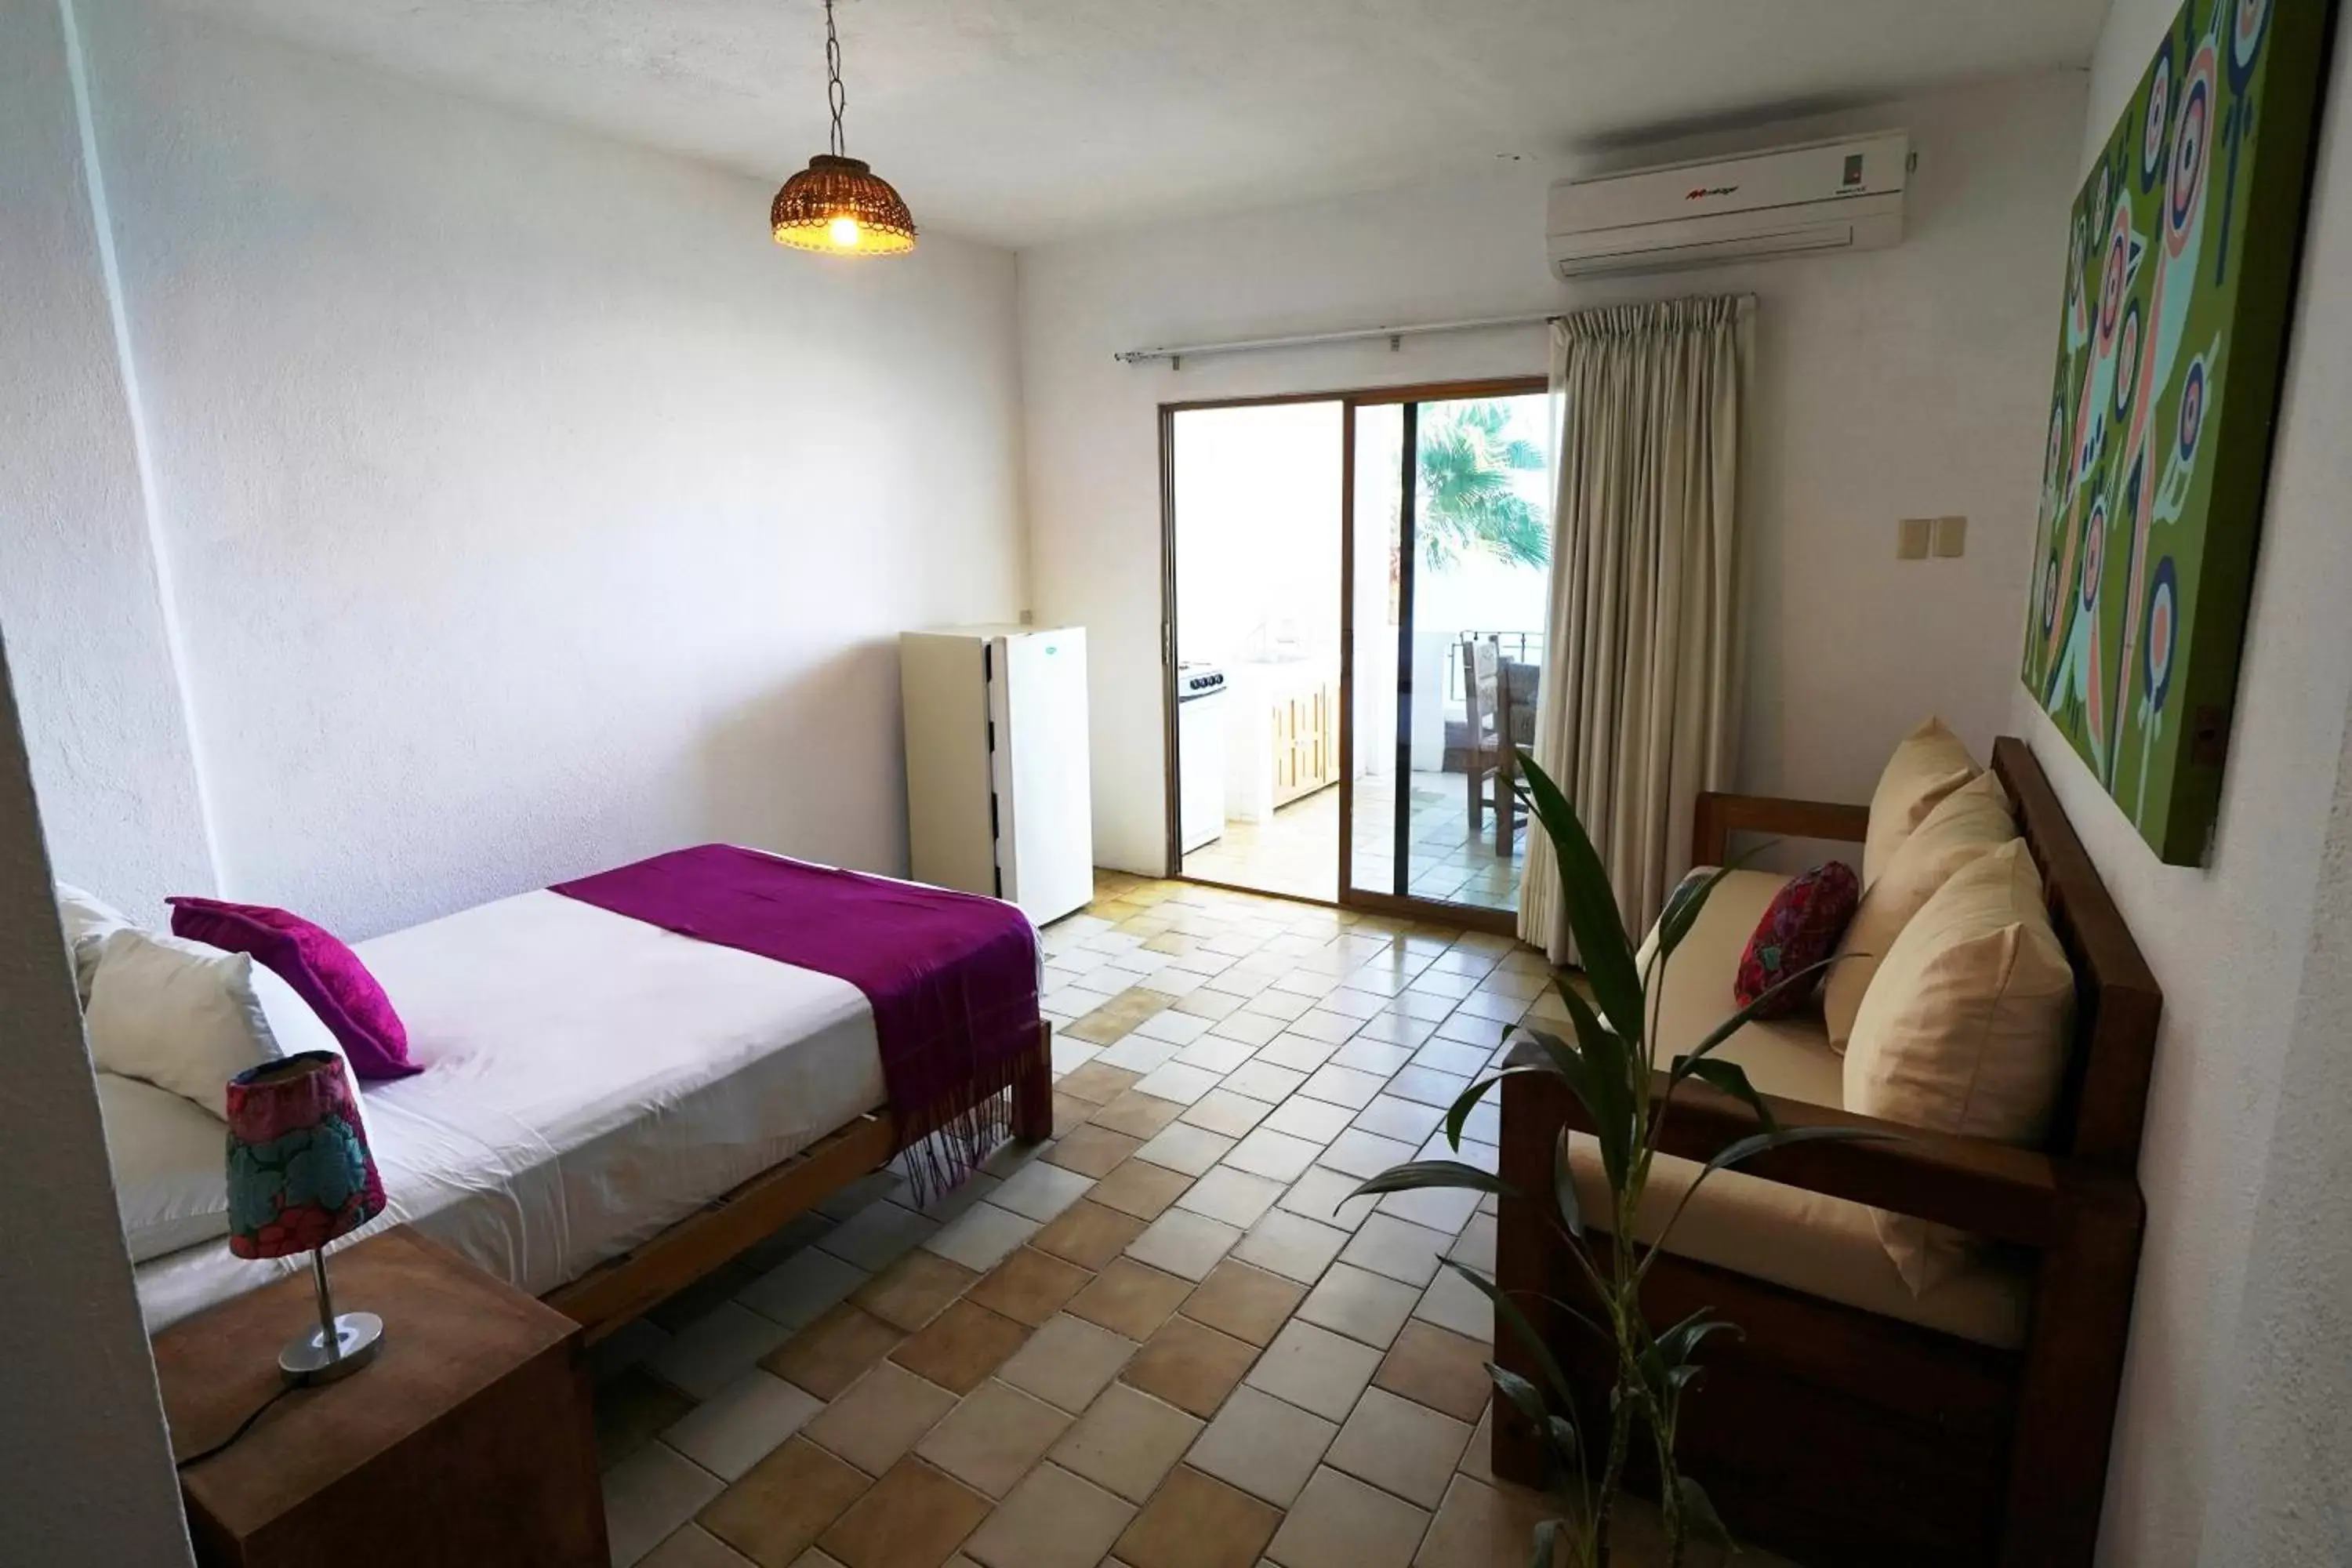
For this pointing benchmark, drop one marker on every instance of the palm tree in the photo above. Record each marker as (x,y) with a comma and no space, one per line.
(1469,497)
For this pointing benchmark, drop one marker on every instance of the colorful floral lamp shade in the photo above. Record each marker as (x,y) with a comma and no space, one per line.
(300,1175)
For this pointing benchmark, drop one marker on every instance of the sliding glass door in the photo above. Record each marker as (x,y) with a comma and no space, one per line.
(1355,589)
(1448,549)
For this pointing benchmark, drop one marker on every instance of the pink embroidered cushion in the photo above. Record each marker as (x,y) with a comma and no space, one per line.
(1800,927)
(318,966)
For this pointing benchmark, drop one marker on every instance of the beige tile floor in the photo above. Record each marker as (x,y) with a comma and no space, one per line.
(1161,1341)
(1296,852)
(1449,860)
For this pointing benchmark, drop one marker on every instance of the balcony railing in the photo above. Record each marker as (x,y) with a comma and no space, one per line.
(1517,647)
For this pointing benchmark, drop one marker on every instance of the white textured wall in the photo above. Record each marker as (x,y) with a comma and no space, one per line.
(527,509)
(2232,1446)
(1898,383)
(85,1463)
(85,1470)
(78,586)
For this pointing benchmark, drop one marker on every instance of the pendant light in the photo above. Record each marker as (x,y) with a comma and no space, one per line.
(838,204)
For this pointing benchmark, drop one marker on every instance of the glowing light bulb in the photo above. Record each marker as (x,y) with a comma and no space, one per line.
(843,231)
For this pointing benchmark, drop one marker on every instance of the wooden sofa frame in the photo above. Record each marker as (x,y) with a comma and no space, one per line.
(1846,1438)
(623,1287)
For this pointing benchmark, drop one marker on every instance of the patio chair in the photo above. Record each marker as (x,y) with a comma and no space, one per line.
(1486,708)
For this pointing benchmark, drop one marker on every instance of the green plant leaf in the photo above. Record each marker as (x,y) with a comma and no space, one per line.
(1468,1101)
(1522,1394)
(1683,905)
(1563,1187)
(1543,1548)
(1665,1363)
(1415,1174)
(1683,908)
(1606,1088)
(1756,1144)
(1558,1056)
(1699,1509)
(1579,1318)
(1748,1014)
(1508,1312)
(1593,913)
(1676,1345)
(1559,1431)
(1575,1067)
(1464,1103)
(1729,1076)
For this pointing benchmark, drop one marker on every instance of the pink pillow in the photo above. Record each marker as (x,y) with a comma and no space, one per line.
(322,970)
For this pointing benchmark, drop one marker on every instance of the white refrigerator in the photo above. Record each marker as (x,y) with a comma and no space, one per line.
(998,799)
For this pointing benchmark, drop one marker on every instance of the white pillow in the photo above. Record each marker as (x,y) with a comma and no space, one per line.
(89,921)
(187,1017)
(171,1181)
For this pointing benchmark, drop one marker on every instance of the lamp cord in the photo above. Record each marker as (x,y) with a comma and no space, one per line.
(242,1429)
(835,93)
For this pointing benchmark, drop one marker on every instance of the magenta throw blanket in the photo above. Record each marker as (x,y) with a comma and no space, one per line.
(952,977)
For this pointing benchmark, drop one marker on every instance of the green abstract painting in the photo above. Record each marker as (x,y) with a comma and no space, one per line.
(2180,272)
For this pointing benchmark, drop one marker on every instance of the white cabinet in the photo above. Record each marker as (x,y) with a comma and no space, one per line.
(997,789)
(1282,735)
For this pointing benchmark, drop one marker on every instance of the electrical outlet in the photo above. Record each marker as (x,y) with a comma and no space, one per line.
(1951,536)
(1911,538)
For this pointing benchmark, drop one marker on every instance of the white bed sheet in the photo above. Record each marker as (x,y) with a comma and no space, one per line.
(590,1081)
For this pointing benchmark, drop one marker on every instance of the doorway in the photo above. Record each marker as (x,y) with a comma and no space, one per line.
(1256,533)
(1357,588)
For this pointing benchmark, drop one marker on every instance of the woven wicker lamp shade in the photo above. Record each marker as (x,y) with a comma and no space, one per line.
(840,205)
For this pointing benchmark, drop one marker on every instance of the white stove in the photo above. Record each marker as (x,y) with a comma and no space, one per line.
(1201,698)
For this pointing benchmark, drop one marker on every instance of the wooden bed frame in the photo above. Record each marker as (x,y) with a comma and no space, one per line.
(623,1287)
(1839,1437)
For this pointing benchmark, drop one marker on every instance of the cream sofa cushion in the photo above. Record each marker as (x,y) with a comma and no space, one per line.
(1801,1240)
(1964,1031)
(1970,821)
(1824,1247)
(1693,993)
(1929,764)
(1819,1245)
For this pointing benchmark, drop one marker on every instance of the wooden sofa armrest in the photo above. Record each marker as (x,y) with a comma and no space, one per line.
(1717,816)
(1971,1184)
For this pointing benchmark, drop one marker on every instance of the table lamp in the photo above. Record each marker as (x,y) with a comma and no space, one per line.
(300,1175)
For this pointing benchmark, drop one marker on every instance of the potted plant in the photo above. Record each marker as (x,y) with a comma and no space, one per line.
(1610,1067)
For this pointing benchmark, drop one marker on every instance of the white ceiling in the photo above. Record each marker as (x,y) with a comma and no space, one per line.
(1017,120)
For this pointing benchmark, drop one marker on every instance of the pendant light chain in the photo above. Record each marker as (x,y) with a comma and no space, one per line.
(835,94)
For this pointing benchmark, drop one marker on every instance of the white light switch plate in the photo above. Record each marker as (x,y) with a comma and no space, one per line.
(1951,536)
(1911,538)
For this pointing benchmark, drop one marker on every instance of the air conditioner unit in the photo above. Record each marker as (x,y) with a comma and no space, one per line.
(1824,195)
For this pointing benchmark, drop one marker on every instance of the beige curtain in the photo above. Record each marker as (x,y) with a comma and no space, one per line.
(1636,712)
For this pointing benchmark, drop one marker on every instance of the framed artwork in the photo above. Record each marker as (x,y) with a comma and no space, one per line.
(2180,273)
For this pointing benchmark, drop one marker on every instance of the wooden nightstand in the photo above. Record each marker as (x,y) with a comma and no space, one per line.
(470,1440)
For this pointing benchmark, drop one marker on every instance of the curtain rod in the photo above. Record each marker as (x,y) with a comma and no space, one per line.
(1176,354)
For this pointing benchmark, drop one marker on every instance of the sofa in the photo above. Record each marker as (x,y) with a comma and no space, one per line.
(1934,1322)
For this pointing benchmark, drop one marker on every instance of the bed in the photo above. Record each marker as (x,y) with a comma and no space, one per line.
(609,1109)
